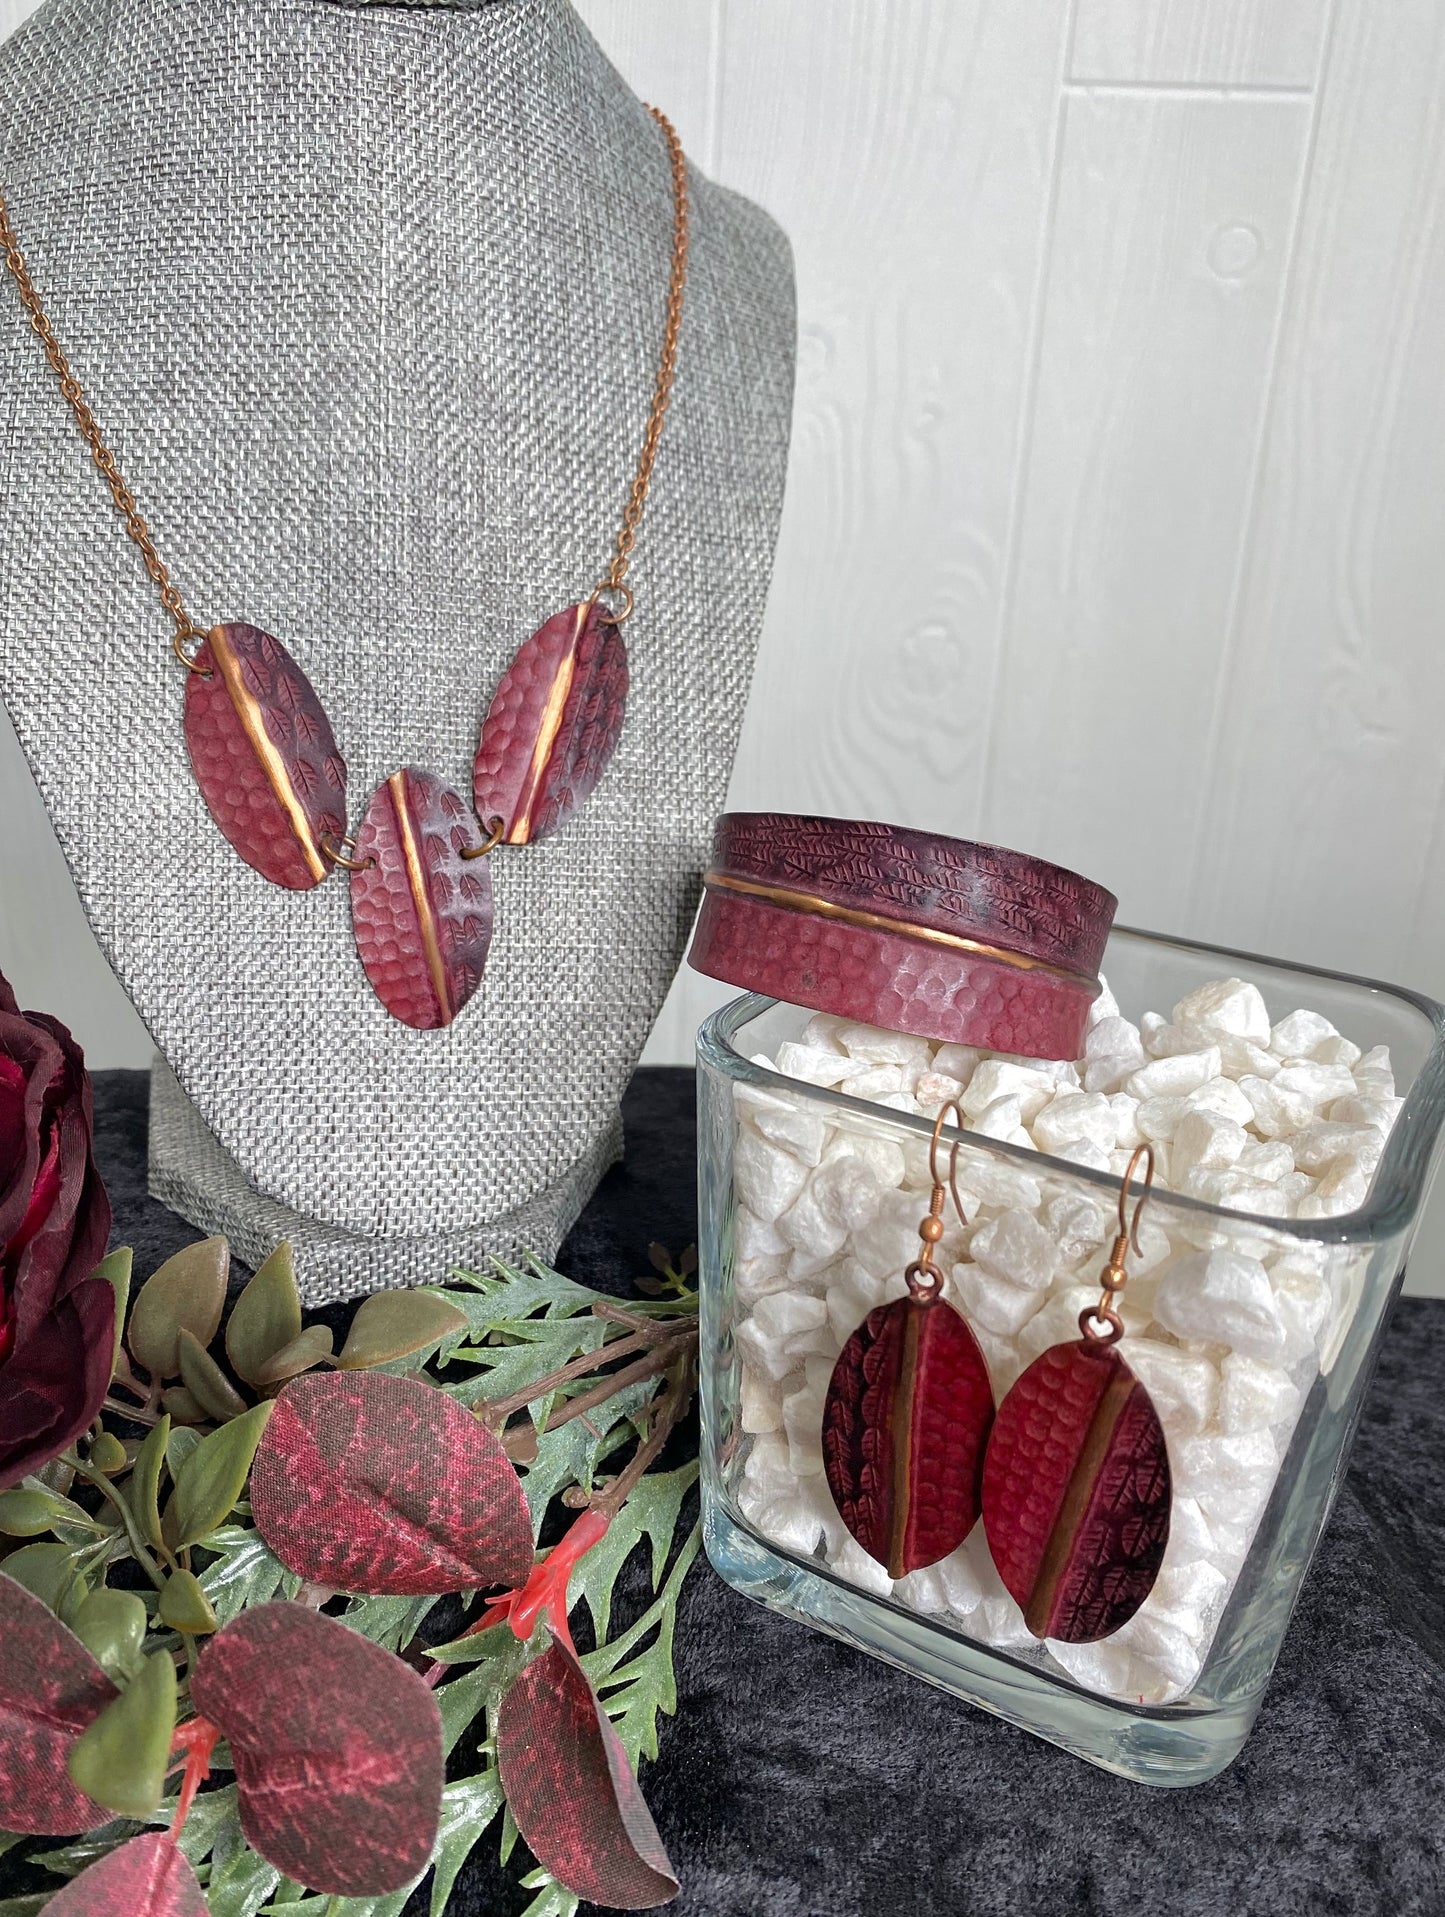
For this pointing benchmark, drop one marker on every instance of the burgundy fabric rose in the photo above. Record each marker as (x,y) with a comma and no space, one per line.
(57,1322)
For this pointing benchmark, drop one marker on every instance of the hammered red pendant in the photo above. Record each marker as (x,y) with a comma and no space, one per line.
(552,725)
(905,1421)
(1077,1492)
(421,910)
(264,755)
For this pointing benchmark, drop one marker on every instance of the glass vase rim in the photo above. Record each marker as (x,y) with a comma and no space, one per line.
(1392,1201)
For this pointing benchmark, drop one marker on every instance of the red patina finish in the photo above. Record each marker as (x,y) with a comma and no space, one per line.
(420,911)
(264,755)
(552,726)
(905,1421)
(1076,1493)
(969,944)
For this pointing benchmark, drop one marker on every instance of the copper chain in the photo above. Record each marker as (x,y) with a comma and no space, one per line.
(102,455)
(135,525)
(666,368)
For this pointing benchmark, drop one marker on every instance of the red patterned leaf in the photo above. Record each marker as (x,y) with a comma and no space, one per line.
(366,1482)
(50,1689)
(148,1877)
(572,1791)
(337,1746)
(273,786)
(552,726)
(421,914)
(905,1420)
(1076,1493)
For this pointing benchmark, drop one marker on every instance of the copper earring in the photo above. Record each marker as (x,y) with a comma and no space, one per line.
(908,1411)
(1076,1484)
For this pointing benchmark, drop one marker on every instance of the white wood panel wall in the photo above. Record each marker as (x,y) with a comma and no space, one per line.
(1114,525)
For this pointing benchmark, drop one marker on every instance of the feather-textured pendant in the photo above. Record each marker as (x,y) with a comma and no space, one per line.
(551,729)
(905,1421)
(420,911)
(264,755)
(1076,1492)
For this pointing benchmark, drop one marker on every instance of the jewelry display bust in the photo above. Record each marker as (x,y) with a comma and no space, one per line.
(368,300)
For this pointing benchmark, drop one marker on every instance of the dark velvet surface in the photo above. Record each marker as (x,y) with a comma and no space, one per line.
(802,1779)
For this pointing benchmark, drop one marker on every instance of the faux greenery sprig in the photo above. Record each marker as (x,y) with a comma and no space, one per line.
(245,1565)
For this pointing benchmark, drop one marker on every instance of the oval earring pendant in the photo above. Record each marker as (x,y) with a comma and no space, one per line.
(551,729)
(421,913)
(264,755)
(905,1421)
(1077,1491)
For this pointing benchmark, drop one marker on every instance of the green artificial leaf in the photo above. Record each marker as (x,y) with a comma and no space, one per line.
(81,1852)
(553,1901)
(312,1347)
(179,1446)
(244,1573)
(30,1509)
(214,1476)
(571,1452)
(189,1290)
(182,1406)
(635,1692)
(266,1317)
(205,1380)
(47,1570)
(240,1886)
(468,1808)
(214,1824)
(145,1482)
(120,1758)
(29,1906)
(651,1511)
(112,1627)
(463,1698)
(391,1622)
(185,1607)
(115,1268)
(398,1324)
(107,1453)
(507,1293)
(391,1905)
(533,1347)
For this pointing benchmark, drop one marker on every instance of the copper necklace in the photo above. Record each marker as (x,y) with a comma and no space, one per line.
(266,761)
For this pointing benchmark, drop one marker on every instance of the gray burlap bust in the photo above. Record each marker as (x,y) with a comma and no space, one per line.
(369,301)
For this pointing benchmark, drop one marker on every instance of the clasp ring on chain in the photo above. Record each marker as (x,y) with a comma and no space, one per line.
(614,615)
(179,640)
(496,832)
(330,844)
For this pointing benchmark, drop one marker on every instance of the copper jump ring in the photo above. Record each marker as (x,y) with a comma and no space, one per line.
(496,832)
(331,844)
(180,638)
(614,615)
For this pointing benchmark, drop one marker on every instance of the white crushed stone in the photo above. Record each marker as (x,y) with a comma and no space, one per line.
(1227,1326)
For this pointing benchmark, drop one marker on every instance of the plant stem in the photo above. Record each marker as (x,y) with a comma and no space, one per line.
(661,1358)
(139,1549)
(137,1413)
(669,1409)
(501,1408)
(666,1313)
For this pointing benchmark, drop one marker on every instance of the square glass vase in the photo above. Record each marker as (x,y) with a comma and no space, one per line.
(1346,1270)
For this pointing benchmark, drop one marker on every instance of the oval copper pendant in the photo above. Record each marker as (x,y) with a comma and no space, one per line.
(264,755)
(907,1413)
(550,731)
(420,912)
(1076,1493)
